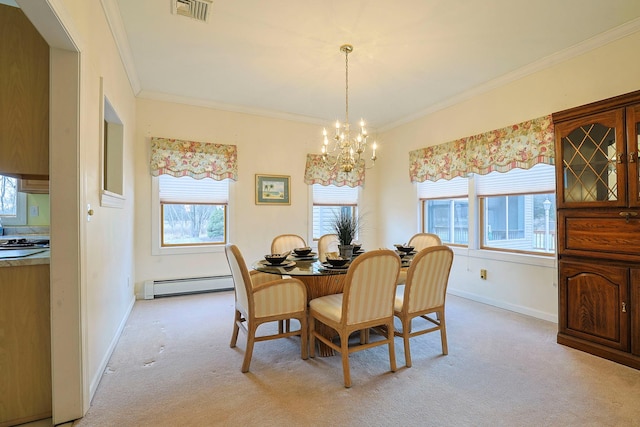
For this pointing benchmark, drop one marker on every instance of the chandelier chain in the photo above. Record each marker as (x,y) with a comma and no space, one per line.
(346,83)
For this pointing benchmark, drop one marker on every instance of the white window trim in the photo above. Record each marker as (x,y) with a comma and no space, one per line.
(156,246)
(21,212)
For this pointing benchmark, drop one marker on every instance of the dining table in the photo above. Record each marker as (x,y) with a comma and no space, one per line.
(319,278)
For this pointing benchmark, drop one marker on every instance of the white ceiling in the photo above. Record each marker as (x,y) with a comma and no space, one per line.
(282,57)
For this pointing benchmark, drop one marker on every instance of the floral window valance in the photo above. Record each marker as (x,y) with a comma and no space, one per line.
(317,171)
(522,145)
(198,160)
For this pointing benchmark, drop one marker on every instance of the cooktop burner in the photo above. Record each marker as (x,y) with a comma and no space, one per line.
(24,243)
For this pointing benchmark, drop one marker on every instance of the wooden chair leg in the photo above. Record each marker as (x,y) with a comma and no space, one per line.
(344,349)
(443,333)
(304,335)
(364,336)
(406,325)
(236,328)
(392,350)
(312,337)
(251,335)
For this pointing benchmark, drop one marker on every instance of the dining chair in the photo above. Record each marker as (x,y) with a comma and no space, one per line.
(327,243)
(280,244)
(286,242)
(424,240)
(366,302)
(424,293)
(419,242)
(259,300)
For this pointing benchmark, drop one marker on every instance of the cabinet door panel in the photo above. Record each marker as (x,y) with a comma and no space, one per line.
(592,295)
(634,309)
(633,148)
(24,96)
(591,158)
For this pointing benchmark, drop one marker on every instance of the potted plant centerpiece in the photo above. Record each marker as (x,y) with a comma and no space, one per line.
(346,227)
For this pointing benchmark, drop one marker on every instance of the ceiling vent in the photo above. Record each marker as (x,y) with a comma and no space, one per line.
(196,9)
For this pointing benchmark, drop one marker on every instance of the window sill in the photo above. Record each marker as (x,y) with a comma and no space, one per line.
(184,250)
(516,258)
(111,200)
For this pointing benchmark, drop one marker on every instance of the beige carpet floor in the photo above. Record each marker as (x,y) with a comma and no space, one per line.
(173,367)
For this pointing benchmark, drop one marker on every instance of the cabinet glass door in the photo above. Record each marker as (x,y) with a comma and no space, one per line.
(592,156)
(633,148)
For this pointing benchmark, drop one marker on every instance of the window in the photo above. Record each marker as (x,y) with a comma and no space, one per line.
(329,201)
(8,196)
(449,219)
(193,212)
(13,204)
(518,210)
(445,211)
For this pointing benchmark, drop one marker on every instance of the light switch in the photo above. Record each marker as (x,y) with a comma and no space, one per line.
(34,210)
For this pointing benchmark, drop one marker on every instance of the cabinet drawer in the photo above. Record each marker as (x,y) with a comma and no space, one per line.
(600,234)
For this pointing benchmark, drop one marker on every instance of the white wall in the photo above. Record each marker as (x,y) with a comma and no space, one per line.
(512,281)
(265,146)
(107,240)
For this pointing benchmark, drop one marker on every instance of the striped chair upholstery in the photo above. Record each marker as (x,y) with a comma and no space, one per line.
(424,240)
(286,242)
(366,302)
(281,244)
(265,301)
(327,243)
(420,241)
(424,293)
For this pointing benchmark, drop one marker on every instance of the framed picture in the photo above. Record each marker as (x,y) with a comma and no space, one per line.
(272,190)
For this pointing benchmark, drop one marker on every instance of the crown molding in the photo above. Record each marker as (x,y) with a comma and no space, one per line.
(114,19)
(199,102)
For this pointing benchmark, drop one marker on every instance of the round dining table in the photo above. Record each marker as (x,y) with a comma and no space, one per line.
(320,280)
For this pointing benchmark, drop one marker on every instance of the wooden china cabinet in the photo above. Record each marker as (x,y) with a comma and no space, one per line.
(598,200)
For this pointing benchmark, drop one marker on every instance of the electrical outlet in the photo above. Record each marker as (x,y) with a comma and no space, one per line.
(34,211)
(483,274)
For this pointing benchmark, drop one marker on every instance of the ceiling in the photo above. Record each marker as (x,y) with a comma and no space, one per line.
(282,57)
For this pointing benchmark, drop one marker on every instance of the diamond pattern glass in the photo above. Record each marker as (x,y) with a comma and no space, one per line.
(589,164)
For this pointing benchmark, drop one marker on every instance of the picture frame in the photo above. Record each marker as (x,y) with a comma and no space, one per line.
(273,189)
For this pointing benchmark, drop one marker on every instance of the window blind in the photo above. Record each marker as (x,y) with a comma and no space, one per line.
(188,190)
(449,188)
(540,178)
(332,195)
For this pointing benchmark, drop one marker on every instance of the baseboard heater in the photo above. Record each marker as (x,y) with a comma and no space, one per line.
(157,288)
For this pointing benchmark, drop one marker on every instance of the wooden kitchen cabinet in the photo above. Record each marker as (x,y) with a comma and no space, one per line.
(24,97)
(33,186)
(25,344)
(598,202)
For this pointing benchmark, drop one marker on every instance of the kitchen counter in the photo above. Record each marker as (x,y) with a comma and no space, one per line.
(35,259)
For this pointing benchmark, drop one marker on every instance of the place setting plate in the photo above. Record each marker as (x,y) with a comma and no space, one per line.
(284,264)
(312,256)
(327,266)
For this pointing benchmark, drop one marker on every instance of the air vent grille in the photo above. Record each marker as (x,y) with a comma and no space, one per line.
(196,9)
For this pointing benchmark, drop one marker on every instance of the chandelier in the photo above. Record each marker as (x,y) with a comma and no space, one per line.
(346,151)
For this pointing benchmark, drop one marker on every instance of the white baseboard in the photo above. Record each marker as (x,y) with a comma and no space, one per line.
(153,288)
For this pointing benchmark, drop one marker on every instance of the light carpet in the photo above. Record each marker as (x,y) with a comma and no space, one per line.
(173,367)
